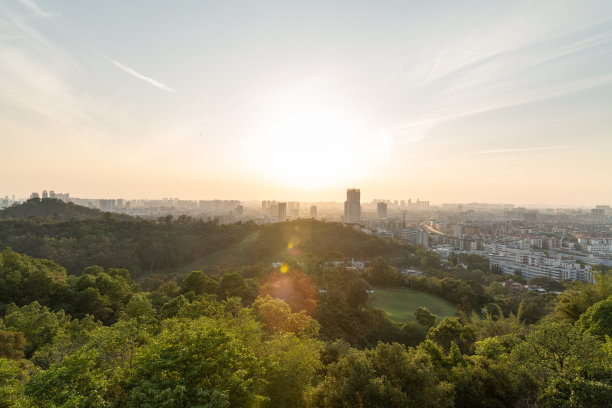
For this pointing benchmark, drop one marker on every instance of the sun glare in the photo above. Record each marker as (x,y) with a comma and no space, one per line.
(310,144)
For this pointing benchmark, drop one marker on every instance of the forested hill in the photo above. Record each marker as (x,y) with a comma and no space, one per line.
(52,210)
(145,246)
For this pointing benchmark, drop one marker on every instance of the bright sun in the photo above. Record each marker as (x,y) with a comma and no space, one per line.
(310,144)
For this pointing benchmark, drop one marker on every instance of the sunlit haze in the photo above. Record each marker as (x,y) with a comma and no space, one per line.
(445,101)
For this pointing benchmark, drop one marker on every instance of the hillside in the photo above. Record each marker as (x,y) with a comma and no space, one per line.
(51,210)
(141,245)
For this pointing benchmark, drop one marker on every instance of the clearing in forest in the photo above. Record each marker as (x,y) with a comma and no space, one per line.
(400,303)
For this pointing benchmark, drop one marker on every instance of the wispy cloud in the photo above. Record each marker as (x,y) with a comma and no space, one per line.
(39,88)
(521,149)
(520,60)
(34,7)
(140,76)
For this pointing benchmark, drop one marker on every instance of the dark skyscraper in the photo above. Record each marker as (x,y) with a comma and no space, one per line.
(352,206)
(381,210)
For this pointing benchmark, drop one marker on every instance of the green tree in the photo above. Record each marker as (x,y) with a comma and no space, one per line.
(11,345)
(77,381)
(450,330)
(199,283)
(381,273)
(424,317)
(277,317)
(293,287)
(534,307)
(195,363)
(597,319)
(13,374)
(295,361)
(574,302)
(572,368)
(38,324)
(387,376)
(24,279)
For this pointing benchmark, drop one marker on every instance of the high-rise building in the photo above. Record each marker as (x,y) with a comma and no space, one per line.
(282,211)
(381,210)
(240,211)
(352,206)
(45,194)
(106,204)
(313,211)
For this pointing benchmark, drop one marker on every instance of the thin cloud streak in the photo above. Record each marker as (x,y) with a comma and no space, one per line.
(521,149)
(499,71)
(34,7)
(140,76)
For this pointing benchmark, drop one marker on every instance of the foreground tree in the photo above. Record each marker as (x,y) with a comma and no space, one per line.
(572,368)
(597,319)
(195,363)
(387,376)
(424,317)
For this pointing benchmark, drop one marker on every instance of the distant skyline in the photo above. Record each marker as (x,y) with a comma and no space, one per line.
(366,200)
(445,101)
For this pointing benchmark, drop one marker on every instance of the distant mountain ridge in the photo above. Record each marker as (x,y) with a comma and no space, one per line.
(51,210)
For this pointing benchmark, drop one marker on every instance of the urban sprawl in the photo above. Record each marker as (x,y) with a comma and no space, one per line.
(562,244)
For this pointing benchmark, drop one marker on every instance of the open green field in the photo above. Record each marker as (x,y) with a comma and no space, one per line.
(400,303)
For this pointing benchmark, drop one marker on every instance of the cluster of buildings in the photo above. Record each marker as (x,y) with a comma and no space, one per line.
(557,243)
(7,202)
(282,211)
(596,245)
(550,246)
(50,194)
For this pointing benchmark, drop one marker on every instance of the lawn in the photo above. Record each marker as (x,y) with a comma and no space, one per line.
(400,303)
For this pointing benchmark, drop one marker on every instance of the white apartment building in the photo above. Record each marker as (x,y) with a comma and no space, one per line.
(532,264)
(600,248)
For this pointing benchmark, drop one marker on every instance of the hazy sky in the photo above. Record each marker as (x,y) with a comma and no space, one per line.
(450,101)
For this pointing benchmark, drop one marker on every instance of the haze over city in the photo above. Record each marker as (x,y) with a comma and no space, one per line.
(448,101)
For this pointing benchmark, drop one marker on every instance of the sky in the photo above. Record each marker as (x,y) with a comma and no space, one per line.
(446,101)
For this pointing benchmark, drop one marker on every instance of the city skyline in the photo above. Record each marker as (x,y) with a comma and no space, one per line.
(447,102)
(397,201)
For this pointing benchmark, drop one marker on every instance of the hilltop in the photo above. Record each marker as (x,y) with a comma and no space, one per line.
(51,210)
(142,245)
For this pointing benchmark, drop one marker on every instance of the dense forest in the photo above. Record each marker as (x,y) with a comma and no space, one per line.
(167,244)
(110,312)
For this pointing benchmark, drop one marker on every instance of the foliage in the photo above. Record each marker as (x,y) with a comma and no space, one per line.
(51,210)
(277,317)
(75,382)
(388,376)
(381,273)
(24,279)
(11,345)
(37,323)
(452,331)
(424,317)
(535,306)
(13,374)
(293,287)
(474,261)
(251,335)
(563,360)
(195,363)
(547,283)
(597,319)
(295,362)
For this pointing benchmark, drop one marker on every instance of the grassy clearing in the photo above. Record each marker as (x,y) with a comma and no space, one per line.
(400,303)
